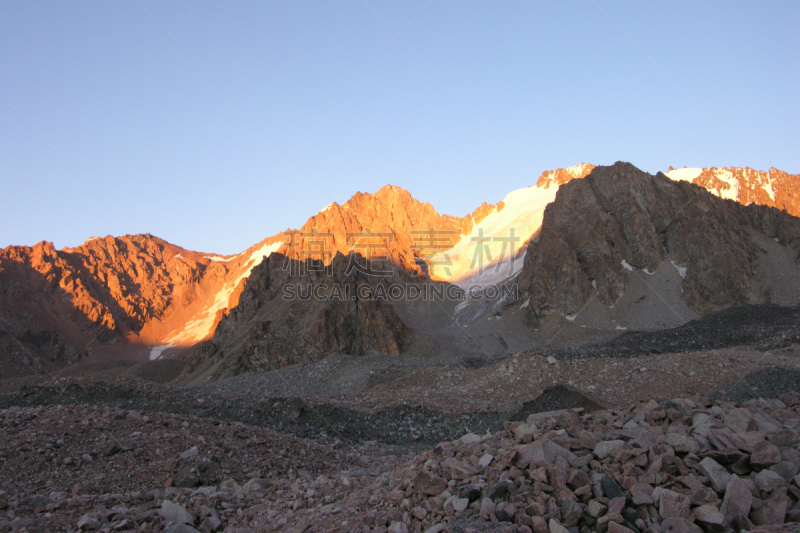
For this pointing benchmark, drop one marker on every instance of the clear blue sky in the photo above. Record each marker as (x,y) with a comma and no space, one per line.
(245,121)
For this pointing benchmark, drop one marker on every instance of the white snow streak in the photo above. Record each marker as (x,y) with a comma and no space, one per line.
(489,241)
(732,191)
(197,329)
(681,270)
(157,351)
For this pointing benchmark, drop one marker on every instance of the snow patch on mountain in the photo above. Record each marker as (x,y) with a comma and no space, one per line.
(494,251)
(732,191)
(681,270)
(156,352)
(201,326)
(684,174)
(768,188)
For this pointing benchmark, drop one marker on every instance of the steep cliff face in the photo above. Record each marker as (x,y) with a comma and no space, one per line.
(288,313)
(619,218)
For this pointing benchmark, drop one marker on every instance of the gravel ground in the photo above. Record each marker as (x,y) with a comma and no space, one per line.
(506,385)
(769,382)
(408,424)
(758,327)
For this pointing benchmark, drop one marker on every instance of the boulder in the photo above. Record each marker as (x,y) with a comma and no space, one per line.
(768,481)
(606,448)
(737,501)
(773,512)
(175,513)
(765,454)
(674,505)
(717,475)
(427,483)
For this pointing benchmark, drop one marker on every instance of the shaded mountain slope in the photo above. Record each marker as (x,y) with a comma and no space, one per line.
(619,219)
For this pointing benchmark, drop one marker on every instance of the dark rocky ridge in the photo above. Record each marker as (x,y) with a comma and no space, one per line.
(272,327)
(620,213)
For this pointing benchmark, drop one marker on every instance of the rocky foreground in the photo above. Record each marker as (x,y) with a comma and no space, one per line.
(681,465)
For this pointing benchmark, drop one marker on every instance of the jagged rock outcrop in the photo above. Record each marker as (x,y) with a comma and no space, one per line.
(619,218)
(290,312)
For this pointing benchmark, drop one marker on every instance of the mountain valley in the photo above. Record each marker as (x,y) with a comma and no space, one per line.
(604,350)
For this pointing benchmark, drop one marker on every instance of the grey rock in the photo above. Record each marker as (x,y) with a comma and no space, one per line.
(679,525)
(398,527)
(611,489)
(716,474)
(112,448)
(571,512)
(256,485)
(786,470)
(175,513)
(674,505)
(709,516)
(595,508)
(768,481)
(499,490)
(459,504)
(737,501)
(740,420)
(765,454)
(702,422)
(682,443)
(191,453)
(88,523)
(470,492)
(609,447)
(542,452)
(773,512)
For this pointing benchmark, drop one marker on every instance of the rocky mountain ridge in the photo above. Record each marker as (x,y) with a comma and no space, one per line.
(619,219)
(57,306)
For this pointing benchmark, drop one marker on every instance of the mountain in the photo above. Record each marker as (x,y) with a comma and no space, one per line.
(619,220)
(586,243)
